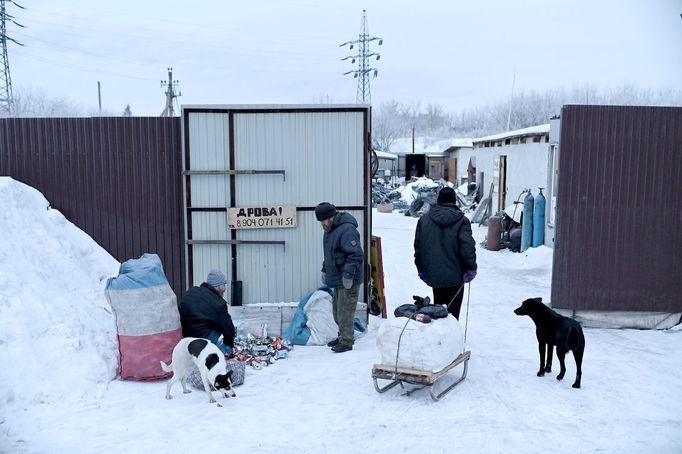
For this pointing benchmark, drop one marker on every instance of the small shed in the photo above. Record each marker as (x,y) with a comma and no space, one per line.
(385,162)
(443,156)
(510,162)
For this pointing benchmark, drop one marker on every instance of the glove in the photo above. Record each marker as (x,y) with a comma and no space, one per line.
(347,283)
(469,276)
(323,278)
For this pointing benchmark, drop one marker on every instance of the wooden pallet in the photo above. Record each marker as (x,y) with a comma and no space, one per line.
(400,375)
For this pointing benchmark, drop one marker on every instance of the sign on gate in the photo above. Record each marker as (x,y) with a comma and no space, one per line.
(261,217)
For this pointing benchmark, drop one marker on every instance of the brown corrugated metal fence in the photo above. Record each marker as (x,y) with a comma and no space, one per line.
(116,178)
(618,243)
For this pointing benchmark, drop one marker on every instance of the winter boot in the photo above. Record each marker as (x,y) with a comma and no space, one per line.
(340,348)
(333,342)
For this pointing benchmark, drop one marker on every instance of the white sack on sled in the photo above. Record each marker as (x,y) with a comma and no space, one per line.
(428,347)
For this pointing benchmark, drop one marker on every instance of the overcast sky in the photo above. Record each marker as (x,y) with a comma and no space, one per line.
(456,53)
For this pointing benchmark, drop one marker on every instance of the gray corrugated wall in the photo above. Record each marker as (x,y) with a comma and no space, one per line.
(116,178)
(312,146)
(619,209)
(322,154)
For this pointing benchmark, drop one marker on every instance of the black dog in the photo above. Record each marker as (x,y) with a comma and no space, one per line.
(554,329)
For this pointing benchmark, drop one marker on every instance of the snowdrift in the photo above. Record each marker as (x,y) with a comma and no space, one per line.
(57,331)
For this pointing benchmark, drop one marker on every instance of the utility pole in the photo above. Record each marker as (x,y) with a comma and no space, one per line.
(99,96)
(6,97)
(170,94)
(511,100)
(363,94)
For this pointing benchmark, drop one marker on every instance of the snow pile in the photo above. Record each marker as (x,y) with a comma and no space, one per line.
(57,331)
(409,192)
(535,259)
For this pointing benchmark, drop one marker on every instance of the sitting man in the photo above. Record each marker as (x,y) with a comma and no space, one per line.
(203,312)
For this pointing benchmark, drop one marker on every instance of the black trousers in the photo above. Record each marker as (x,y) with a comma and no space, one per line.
(450,297)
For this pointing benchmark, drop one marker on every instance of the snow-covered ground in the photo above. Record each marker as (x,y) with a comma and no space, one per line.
(58,392)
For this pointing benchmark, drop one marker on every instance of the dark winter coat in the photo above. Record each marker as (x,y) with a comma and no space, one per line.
(204,311)
(343,256)
(444,247)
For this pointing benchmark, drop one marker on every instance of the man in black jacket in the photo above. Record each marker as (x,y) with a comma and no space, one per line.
(445,251)
(342,269)
(203,312)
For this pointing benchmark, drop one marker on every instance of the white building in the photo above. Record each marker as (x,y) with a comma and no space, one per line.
(511,162)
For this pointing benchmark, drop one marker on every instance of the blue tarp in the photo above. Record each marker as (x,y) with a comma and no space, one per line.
(147,271)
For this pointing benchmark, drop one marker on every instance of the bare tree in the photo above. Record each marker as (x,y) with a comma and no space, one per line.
(434,117)
(36,103)
(323,99)
(387,125)
(581,94)
(534,108)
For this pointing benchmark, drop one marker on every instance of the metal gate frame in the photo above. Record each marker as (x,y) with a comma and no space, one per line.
(234,241)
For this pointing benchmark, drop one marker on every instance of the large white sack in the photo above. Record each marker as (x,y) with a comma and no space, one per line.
(428,347)
(321,322)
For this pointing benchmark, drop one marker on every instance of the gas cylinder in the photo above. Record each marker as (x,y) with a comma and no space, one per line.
(527,224)
(539,220)
(494,233)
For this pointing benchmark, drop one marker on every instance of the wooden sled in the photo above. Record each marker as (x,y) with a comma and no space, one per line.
(418,377)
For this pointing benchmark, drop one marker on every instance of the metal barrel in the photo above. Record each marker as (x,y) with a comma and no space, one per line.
(494,233)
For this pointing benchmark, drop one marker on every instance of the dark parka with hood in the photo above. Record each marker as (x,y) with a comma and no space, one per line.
(343,256)
(444,248)
(203,311)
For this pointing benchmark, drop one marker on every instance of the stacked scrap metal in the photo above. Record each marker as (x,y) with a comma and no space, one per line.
(259,352)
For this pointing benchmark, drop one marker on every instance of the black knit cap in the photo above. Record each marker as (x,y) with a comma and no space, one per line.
(447,195)
(325,210)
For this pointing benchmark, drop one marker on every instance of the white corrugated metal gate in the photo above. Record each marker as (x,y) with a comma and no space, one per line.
(269,157)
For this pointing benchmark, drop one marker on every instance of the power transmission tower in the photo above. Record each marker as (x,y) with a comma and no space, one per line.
(170,94)
(363,94)
(6,98)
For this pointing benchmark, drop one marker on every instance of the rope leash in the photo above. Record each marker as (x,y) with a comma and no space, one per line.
(454,297)
(397,353)
(466,320)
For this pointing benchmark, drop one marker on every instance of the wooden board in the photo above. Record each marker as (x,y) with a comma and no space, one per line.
(387,372)
(378,295)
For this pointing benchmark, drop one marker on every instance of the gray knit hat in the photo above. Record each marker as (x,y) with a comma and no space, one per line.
(216,278)
(325,210)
